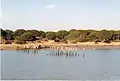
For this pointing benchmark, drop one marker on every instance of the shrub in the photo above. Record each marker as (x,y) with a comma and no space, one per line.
(73,41)
(19,42)
(64,41)
(106,41)
(61,34)
(7,42)
(50,35)
(82,39)
(38,41)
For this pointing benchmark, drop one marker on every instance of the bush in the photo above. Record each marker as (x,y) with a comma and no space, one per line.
(50,35)
(61,34)
(7,42)
(27,36)
(73,35)
(38,41)
(83,39)
(64,41)
(106,41)
(19,42)
(73,41)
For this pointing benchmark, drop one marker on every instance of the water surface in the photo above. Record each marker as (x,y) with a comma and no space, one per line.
(44,65)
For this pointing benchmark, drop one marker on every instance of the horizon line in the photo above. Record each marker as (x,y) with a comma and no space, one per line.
(61,29)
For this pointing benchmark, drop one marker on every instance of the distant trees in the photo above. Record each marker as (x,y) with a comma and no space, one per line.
(92,36)
(103,35)
(41,34)
(3,33)
(34,32)
(50,35)
(82,38)
(27,36)
(21,35)
(9,35)
(73,35)
(61,34)
(19,32)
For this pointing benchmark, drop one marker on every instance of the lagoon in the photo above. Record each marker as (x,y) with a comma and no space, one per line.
(102,64)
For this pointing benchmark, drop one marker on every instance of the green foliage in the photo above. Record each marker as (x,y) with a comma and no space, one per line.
(19,32)
(19,42)
(73,41)
(1,38)
(82,39)
(42,34)
(50,35)
(9,35)
(73,35)
(72,30)
(3,33)
(117,32)
(92,36)
(61,34)
(103,35)
(34,32)
(18,38)
(28,36)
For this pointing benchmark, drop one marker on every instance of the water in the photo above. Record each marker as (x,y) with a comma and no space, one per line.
(44,65)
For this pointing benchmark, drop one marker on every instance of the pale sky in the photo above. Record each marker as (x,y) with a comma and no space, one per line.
(60,14)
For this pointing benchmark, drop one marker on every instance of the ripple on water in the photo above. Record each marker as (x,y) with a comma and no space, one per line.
(101,76)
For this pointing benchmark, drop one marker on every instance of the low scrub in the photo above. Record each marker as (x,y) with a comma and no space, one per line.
(7,42)
(106,41)
(19,42)
(38,41)
(73,41)
(64,41)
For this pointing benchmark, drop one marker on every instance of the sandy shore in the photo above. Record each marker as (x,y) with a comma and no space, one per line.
(80,45)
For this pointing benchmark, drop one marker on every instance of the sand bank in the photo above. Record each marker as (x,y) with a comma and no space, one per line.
(79,45)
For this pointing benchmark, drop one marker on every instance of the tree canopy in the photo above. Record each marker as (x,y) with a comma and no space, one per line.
(19,32)
(9,34)
(27,36)
(103,35)
(61,35)
(50,35)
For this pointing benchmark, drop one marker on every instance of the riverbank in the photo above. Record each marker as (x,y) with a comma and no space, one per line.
(87,45)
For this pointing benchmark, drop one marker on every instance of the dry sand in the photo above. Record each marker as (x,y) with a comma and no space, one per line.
(51,43)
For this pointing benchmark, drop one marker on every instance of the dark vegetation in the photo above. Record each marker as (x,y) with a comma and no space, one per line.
(21,36)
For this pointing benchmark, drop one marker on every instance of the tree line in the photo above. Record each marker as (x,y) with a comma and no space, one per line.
(20,36)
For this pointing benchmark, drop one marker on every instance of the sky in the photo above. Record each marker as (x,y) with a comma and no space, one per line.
(60,14)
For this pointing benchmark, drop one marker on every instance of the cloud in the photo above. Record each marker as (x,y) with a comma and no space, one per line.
(51,6)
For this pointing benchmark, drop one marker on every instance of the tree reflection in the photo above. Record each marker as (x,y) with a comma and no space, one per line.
(58,53)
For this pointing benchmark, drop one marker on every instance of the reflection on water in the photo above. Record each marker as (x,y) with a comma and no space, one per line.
(52,52)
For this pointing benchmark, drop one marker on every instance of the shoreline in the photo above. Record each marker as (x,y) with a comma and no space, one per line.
(86,45)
